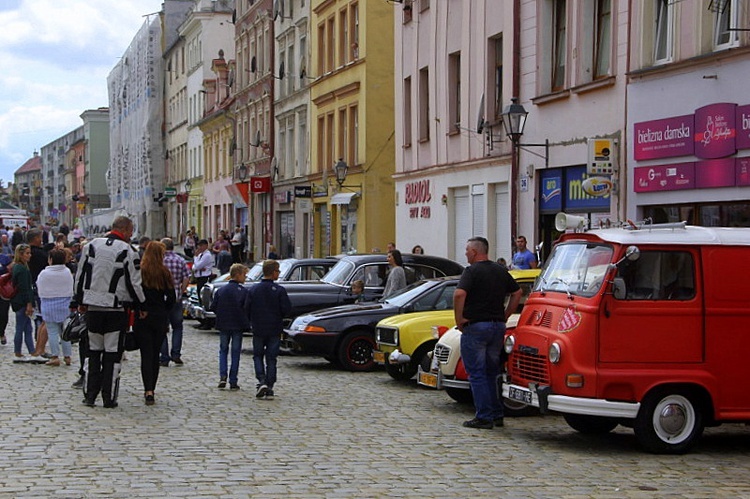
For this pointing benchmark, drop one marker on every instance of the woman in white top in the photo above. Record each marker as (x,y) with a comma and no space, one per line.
(55,285)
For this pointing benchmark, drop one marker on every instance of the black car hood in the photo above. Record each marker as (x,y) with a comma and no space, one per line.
(352,309)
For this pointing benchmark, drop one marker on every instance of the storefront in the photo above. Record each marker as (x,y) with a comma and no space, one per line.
(690,158)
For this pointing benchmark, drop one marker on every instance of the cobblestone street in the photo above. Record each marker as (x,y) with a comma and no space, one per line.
(328,433)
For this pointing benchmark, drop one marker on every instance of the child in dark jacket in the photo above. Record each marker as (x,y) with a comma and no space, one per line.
(229,305)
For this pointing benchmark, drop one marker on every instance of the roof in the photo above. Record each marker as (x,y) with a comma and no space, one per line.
(32,165)
(688,235)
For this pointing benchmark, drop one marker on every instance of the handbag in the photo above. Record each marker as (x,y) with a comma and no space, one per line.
(7,289)
(74,327)
(131,341)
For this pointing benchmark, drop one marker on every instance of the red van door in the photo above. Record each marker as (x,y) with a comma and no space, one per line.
(660,319)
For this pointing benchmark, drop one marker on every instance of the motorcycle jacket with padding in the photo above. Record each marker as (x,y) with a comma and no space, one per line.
(109,274)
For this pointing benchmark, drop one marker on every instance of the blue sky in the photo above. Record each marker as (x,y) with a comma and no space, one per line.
(55,56)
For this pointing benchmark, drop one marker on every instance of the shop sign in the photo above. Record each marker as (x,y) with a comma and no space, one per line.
(715,173)
(597,186)
(742,122)
(576,198)
(418,193)
(551,191)
(665,177)
(665,138)
(282,197)
(742,171)
(715,131)
(260,184)
(302,191)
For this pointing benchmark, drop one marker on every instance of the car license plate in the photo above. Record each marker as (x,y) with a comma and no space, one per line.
(428,379)
(519,394)
(378,356)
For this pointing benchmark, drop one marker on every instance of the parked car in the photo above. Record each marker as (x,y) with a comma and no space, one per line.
(446,370)
(335,288)
(290,269)
(346,334)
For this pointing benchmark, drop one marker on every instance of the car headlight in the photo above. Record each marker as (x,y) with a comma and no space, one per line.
(510,342)
(554,353)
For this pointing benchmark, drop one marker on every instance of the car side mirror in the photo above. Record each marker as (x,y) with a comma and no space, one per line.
(618,288)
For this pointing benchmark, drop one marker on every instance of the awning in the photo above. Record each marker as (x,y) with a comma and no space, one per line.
(238,194)
(343,197)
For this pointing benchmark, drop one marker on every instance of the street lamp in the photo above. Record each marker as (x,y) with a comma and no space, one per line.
(188,186)
(341,169)
(242,172)
(514,122)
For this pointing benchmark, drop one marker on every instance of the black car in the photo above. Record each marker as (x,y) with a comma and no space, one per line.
(346,334)
(335,287)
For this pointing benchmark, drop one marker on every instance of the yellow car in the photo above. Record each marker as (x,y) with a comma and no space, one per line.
(405,342)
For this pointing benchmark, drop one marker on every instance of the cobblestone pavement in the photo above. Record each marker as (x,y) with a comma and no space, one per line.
(328,433)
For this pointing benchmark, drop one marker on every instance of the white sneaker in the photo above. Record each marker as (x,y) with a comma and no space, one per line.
(20,360)
(37,359)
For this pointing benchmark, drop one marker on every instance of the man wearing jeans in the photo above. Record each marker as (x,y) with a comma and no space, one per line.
(268,305)
(181,278)
(480,316)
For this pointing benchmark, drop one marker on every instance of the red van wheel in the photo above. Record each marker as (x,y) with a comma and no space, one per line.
(669,422)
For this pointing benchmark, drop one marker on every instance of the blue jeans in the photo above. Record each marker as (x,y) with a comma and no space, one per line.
(225,337)
(175,320)
(266,347)
(480,351)
(54,330)
(24,332)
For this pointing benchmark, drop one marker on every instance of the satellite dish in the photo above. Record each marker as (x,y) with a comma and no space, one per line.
(257,139)
(253,65)
(480,116)
(276,10)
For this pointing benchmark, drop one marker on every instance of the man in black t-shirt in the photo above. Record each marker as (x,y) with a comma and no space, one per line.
(480,316)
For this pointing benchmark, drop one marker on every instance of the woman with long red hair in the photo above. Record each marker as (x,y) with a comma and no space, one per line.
(150,331)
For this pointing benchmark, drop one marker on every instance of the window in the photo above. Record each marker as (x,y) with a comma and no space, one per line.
(331,141)
(330,45)
(407,111)
(321,48)
(321,143)
(290,71)
(663,35)
(559,42)
(342,138)
(454,91)
(344,53)
(496,49)
(353,140)
(354,31)
(659,275)
(424,104)
(725,24)
(603,48)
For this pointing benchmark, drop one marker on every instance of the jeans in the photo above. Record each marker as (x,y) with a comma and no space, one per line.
(54,330)
(175,320)
(225,337)
(480,351)
(266,347)
(24,332)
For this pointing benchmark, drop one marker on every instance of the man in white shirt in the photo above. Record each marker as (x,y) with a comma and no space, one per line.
(236,245)
(202,265)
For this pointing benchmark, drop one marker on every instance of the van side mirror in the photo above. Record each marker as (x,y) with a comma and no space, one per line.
(618,288)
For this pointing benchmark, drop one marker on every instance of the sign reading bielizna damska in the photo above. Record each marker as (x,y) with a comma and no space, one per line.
(712,135)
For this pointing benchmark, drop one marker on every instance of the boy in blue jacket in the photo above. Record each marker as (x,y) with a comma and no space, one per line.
(228,301)
(268,304)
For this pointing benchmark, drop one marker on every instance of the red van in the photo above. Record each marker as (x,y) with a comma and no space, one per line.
(646,326)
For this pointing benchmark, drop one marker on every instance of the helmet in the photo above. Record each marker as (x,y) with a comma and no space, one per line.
(74,327)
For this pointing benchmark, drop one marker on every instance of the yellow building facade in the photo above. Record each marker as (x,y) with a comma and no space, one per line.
(352,124)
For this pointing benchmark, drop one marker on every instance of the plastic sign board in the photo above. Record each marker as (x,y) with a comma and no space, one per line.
(601,157)
(170,192)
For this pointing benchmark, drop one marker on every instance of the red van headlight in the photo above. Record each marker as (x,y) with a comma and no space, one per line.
(554,353)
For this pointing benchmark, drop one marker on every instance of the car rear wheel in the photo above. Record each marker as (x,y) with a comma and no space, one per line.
(355,351)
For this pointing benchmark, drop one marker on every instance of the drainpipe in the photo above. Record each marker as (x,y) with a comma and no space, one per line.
(515,92)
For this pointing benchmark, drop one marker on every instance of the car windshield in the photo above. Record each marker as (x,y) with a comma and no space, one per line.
(339,273)
(407,294)
(256,273)
(575,268)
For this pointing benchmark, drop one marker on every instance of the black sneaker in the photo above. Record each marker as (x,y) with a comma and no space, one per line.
(150,400)
(177,360)
(223,382)
(482,424)
(89,402)
(78,383)
(269,394)
(110,404)
(234,386)
(498,421)
(262,390)
(164,363)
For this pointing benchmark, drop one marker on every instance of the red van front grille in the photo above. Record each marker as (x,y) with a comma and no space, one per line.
(530,367)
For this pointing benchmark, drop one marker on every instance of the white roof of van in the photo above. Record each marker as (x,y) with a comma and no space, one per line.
(688,235)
